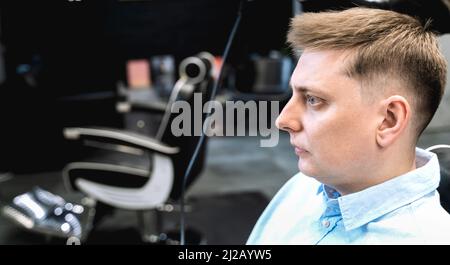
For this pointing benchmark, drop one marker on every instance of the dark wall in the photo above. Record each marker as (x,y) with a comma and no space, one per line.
(424,10)
(83,46)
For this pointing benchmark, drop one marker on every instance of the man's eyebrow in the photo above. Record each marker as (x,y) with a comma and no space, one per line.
(306,89)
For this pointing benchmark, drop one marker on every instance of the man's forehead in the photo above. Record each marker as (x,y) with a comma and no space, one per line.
(323,72)
(326,60)
(316,66)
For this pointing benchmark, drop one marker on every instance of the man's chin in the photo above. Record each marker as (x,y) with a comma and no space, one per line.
(305,168)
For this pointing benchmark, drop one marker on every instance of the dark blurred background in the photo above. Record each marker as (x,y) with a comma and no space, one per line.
(76,52)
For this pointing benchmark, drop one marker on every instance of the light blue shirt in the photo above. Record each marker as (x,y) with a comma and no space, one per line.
(402,210)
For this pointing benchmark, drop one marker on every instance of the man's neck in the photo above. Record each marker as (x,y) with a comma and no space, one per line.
(392,165)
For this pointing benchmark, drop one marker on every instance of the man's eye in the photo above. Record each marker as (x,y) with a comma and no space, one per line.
(313,101)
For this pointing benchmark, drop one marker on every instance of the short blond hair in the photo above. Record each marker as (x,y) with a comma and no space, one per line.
(385,43)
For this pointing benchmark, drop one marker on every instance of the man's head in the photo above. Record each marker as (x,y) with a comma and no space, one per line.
(367,84)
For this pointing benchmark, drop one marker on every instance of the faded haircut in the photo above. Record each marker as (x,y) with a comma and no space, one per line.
(385,43)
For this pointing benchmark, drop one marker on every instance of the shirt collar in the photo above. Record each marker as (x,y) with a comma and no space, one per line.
(362,207)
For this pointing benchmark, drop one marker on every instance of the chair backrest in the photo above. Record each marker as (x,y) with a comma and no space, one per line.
(444,185)
(196,78)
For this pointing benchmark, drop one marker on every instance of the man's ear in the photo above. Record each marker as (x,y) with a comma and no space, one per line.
(396,113)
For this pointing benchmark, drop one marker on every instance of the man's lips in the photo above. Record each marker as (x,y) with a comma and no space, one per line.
(299,151)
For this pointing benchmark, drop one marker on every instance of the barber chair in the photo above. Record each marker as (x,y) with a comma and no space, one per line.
(133,171)
(444,185)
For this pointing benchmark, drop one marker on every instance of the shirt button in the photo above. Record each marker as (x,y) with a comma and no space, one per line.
(326,223)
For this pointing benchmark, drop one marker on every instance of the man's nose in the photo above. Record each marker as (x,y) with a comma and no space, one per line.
(290,117)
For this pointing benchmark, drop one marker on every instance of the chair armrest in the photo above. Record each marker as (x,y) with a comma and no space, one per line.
(128,138)
(157,106)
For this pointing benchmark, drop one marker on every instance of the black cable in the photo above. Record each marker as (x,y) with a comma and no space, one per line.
(202,135)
